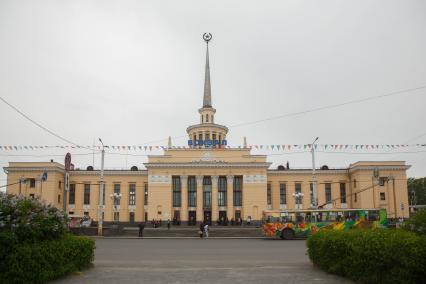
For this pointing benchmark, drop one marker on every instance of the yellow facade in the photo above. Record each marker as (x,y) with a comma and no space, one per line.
(205,183)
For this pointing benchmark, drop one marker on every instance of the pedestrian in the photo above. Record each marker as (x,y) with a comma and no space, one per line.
(206,230)
(168,224)
(248,220)
(200,232)
(141,227)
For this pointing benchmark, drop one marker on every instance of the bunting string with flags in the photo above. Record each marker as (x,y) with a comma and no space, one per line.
(262,147)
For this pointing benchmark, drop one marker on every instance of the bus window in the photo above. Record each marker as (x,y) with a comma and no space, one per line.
(372,215)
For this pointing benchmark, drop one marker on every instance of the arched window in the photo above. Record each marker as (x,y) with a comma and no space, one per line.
(192,191)
(238,193)
(207,192)
(207,118)
(176,191)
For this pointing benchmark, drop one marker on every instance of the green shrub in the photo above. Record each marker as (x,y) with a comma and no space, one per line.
(30,219)
(416,223)
(43,261)
(371,256)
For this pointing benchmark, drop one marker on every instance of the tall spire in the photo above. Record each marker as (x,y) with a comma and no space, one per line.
(207,99)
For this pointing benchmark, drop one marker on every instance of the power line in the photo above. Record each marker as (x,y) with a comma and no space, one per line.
(39,125)
(399,92)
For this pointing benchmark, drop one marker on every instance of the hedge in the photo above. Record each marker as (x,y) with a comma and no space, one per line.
(371,256)
(40,262)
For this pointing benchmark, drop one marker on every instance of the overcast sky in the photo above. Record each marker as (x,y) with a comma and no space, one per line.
(132,72)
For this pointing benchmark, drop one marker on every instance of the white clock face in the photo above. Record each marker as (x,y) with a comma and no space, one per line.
(206,156)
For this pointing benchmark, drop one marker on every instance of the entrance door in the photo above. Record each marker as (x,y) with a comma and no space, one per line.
(208,217)
(192,218)
(222,218)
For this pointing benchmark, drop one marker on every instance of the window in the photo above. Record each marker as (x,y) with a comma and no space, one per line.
(59,198)
(283,193)
(298,187)
(200,136)
(72,194)
(116,192)
(145,186)
(222,184)
(176,191)
(32,182)
(132,217)
(207,192)
(327,192)
(356,197)
(207,119)
(268,194)
(382,196)
(32,195)
(311,192)
(86,194)
(116,216)
(132,194)
(192,191)
(237,215)
(238,194)
(354,183)
(60,184)
(382,181)
(342,192)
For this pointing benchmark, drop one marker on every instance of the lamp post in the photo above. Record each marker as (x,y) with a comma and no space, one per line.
(298,197)
(314,177)
(115,197)
(101,193)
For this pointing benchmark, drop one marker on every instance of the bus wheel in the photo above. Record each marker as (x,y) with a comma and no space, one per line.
(287,234)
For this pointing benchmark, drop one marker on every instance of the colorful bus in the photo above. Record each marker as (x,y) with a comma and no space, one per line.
(289,224)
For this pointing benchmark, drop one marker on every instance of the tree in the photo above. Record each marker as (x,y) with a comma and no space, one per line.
(416,190)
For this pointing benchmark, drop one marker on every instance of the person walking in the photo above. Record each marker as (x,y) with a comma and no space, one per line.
(206,230)
(200,232)
(141,227)
(168,224)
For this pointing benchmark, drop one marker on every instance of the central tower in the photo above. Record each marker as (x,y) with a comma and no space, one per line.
(207,134)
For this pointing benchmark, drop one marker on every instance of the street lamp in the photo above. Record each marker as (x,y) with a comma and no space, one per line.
(115,197)
(314,178)
(101,192)
(298,196)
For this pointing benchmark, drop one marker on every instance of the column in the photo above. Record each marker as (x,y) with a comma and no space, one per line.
(184,200)
(215,208)
(200,215)
(230,197)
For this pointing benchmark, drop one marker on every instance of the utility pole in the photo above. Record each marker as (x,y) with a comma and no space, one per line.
(314,177)
(101,193)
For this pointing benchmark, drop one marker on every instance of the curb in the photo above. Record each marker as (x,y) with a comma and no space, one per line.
(102,237)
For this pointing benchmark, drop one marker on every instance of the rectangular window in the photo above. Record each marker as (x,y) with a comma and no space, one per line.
(327,192)
(311,192)
(192,191)
(32,195)
(32,182)
(145,186)
(60,184)
(382,181)
(268,194)
(222,184)
(117,194)
(298,188)
(237,215)
(283,193)
(238,193)
(59,198)
(132,194)
(132,217)
(342,192)
(355,198)
(382,196)
(207,192)
(72,194)
(176,191)
(86,194)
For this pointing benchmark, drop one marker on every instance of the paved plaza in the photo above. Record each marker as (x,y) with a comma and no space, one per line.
(201,261)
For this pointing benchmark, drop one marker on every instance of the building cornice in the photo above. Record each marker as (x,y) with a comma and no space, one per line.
(384,167)
(308,172)
(207,165)
(34,169)
(207,125)
(110,173)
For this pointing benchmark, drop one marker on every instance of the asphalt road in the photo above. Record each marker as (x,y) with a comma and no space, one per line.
(201,261)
